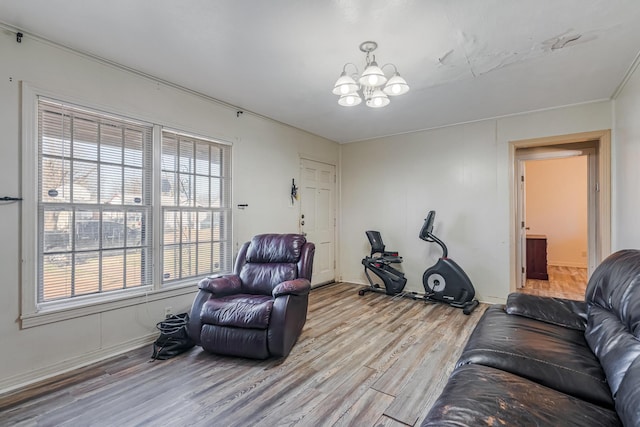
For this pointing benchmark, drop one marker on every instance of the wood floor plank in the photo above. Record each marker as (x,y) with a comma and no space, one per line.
(365,411)
(564,282)
(341,399)
(409,400)
(408,366)
(413,396)
(361,360)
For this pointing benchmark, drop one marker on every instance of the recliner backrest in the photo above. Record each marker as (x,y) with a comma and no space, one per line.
(613,321)
(268,260)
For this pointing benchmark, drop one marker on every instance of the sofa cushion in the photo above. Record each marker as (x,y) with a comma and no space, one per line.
(615,286)
(615,347)
(477,395)
(613,328)
(628,396)
(551,355)
(557,311)
(239,311)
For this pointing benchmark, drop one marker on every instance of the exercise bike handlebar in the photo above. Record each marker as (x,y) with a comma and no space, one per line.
(431,238)
(427,235)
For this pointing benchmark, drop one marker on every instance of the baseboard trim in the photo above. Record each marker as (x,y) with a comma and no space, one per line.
(17,382)
(567,264)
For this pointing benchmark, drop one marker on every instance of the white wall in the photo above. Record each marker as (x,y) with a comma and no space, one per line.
(556,206)
(626,165)
(463,172)
(266,157)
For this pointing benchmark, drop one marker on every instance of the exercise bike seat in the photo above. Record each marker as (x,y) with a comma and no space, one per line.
(379,263)
(377,247)
(392,259)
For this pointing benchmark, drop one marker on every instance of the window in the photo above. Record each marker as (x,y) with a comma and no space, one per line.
(195,207)
(113,219)
(94,203)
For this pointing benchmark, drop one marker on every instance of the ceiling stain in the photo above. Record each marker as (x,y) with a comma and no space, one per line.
(563,41)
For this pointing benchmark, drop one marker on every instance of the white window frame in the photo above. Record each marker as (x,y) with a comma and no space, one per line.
(34,313)
(226,211)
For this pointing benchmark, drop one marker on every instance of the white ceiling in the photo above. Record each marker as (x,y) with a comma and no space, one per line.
(465,60)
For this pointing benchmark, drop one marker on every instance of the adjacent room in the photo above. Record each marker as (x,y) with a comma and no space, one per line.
(232,160)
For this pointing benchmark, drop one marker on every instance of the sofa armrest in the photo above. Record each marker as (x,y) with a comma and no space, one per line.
(557,311)
(292,287)
(221,285)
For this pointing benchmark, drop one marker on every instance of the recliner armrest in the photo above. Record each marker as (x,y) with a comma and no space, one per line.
(557,311)
(221,285)
(292,287)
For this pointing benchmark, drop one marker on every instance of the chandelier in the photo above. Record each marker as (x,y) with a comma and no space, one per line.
(372,84)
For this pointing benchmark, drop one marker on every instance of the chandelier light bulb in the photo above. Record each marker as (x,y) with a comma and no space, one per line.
(350,99)
(372,76)
(396,86)
(344,85)
(378,99)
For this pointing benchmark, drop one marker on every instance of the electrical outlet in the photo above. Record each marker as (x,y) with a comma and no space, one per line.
(168,311)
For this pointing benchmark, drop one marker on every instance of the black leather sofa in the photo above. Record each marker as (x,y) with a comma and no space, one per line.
(540,361)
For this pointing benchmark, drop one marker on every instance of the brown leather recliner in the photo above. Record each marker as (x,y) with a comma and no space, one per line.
(258,311)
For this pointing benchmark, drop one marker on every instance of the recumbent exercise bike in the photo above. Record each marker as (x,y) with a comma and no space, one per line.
(444,282)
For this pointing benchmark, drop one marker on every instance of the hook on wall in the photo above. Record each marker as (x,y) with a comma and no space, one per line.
(294,191)
(19,37)
(10,199)
(239,113)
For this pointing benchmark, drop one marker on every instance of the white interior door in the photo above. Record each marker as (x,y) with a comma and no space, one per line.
(317,216)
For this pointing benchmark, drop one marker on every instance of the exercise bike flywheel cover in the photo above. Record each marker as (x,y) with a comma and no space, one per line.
(436,282)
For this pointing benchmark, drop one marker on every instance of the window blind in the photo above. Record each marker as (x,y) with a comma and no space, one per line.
(94,202)
(196,207)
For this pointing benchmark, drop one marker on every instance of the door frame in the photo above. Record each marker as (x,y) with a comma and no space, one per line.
(600,219)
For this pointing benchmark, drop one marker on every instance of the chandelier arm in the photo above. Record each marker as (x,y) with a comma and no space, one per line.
(368,59)
(395,69)
(344,68)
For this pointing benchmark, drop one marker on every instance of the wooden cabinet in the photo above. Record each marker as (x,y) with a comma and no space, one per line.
(537,257)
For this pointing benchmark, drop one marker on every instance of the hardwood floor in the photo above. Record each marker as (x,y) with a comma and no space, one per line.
(368,360)
(564,282)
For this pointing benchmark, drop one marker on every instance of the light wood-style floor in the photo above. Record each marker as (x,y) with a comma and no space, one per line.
(564,282)
(370,360)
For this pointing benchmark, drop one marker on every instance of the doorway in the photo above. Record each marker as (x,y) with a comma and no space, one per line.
(554,254)
(318,216)
(555,211)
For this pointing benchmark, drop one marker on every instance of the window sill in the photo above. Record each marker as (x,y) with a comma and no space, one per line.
(58,314)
